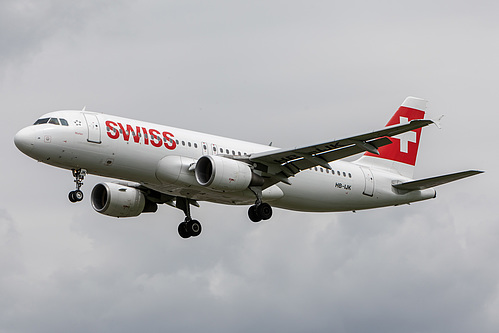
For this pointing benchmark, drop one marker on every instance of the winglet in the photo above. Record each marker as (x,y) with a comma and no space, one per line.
(438,122)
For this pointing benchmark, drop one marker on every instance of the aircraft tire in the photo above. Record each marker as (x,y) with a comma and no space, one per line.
(253,214)
(182,230)
(78,195)
(264,210)
(193,228)
(72,196)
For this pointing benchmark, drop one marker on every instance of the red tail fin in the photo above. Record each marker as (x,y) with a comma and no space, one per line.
(404,149)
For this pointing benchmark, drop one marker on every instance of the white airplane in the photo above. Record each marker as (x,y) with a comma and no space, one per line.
(162,164)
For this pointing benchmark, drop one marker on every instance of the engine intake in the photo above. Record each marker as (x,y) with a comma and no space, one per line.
(120,201)
(224,174)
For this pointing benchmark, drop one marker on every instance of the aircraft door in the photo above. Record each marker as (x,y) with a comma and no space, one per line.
(94,134)
(369,181)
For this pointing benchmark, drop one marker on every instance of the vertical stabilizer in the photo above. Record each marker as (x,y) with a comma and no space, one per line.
(400,156)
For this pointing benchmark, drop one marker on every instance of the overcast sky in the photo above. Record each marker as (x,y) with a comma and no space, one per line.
(290,72)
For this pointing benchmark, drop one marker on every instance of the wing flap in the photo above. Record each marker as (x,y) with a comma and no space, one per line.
(435,181)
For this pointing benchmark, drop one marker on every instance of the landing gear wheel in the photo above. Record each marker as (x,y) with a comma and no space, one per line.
(194,228)
(71,196)
(260,212)
(190,228)
(78,195)
(264,211)
(182,230)
(75,196)
(79,175)
(253,214)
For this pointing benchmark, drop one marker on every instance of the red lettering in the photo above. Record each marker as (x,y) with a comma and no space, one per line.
(146,139)
(155,138)
(112,131)
(169,142)
(129,129)
(151,136)
(135,134)
(126,135)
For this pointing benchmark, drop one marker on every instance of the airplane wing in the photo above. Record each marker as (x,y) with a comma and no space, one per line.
(281,164)
(435,181)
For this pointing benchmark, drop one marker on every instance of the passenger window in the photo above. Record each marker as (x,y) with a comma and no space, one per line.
(183,143)
(344,174)
(63,122)
(221,150)
(195,145)
(189,144)
(349,175)
(227,151)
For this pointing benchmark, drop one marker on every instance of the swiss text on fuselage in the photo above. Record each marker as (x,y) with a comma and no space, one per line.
(149,136)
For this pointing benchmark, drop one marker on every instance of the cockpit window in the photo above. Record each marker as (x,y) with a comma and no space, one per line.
(54,121)
(41,121)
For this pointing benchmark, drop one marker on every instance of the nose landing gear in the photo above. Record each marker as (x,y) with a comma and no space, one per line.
(77,195)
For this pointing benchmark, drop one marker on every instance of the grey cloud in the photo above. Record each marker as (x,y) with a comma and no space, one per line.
(26,25)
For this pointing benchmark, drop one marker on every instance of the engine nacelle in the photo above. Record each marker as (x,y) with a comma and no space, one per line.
(174,169)
(224,174)
(120,201)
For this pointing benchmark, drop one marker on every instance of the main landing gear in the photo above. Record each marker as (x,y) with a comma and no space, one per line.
(190,227)
(77,195)
(260,210)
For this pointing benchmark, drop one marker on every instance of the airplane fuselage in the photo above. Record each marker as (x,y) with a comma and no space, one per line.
(143,153)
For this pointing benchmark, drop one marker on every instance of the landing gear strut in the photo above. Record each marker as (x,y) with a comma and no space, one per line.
(260,210)
(77,195)
(190,227)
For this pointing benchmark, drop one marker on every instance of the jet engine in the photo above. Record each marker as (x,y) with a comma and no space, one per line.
(224,174)
(120,201)
(174,169)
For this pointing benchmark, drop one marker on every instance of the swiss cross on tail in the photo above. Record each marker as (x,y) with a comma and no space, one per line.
(405,146)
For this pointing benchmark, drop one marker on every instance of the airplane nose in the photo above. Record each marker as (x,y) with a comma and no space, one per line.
(25,140)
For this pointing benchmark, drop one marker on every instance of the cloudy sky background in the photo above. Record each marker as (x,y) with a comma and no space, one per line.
(289,72)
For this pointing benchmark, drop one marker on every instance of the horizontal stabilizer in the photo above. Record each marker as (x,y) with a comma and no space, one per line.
(435,181)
